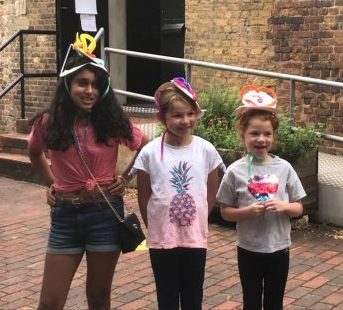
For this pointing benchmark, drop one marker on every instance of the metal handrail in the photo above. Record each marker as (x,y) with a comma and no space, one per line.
(22,75)
(189,63)
(11,85)
(25,31)
(281,76)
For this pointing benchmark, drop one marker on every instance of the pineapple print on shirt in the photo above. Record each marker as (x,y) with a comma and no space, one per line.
(182,210)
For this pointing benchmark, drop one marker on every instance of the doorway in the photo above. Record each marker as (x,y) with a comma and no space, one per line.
(156,27)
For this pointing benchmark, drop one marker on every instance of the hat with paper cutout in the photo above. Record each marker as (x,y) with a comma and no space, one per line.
(253,97)
(82,48)
(181,84)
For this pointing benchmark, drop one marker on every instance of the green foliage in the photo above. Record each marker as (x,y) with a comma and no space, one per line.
(219,135)
(291,144)
(217,125)
(219,104)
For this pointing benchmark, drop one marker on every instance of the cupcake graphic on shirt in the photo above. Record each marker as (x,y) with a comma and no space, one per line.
(263,187)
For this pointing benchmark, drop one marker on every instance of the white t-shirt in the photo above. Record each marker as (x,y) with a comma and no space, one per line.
(275,179)
(177,210)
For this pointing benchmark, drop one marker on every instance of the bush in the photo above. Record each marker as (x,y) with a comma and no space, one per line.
(291,144)
(217,125)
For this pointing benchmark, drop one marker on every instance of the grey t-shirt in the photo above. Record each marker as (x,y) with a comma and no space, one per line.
(275,179)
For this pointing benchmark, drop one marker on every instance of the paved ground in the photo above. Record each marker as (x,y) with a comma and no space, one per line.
(315,279)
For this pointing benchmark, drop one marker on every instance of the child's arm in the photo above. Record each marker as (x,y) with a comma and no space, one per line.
(230,213)
(212,188)
(126,173)
(144,193)
(40,162)
(119,184)
(292,209)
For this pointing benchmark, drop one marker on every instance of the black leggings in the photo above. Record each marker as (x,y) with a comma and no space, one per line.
(263,274)
(179,275)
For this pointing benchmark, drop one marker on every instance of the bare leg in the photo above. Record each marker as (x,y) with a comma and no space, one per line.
(59,271)
(100,270)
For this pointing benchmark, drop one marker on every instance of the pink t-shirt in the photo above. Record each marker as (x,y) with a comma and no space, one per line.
(68,169)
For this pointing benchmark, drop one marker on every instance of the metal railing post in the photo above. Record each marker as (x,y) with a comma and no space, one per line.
(189,73)
(100,35)
(22,71)
(292,101)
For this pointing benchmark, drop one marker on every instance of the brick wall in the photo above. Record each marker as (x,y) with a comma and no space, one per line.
(302,37)
(40,56)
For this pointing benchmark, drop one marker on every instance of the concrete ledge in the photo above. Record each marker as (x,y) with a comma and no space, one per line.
(330,190)
(330,209)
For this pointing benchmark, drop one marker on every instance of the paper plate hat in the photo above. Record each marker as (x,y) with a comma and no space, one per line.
(253,97)
(82,48)
(181,84)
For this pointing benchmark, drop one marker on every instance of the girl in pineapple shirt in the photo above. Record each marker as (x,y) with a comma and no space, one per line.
(177,183)
(261,192)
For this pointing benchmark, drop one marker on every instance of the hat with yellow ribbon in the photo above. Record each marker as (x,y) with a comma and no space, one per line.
(84,45)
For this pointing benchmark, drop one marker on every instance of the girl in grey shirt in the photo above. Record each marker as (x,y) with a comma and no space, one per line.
(261,192)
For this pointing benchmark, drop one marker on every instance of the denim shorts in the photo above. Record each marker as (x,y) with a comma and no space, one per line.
(85,227)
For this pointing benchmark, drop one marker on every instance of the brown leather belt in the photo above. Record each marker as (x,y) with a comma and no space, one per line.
(82,197)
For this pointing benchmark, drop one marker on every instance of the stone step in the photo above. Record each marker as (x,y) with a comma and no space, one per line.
(18,167)
(15,143)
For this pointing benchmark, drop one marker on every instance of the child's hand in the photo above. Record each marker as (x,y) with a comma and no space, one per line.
(257,209)
(277,206)
(117,187)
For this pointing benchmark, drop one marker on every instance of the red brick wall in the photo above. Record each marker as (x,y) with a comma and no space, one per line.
(301,37)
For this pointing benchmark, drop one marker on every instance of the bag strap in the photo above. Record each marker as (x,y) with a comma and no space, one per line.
(77,146)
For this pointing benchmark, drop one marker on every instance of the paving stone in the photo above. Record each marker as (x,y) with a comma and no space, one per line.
(325,290)
(308,300)
(316,282)
(334,299)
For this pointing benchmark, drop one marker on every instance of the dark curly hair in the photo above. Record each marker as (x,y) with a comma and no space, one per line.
(106,116)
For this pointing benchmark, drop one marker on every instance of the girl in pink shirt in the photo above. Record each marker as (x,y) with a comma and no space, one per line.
(177,183)
(84,118)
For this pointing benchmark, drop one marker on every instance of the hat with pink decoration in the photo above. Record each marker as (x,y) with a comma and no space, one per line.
(260,98)
(184,87)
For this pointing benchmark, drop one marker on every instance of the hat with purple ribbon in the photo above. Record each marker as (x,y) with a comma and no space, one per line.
(181,84)
(187,89)
(260,98)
